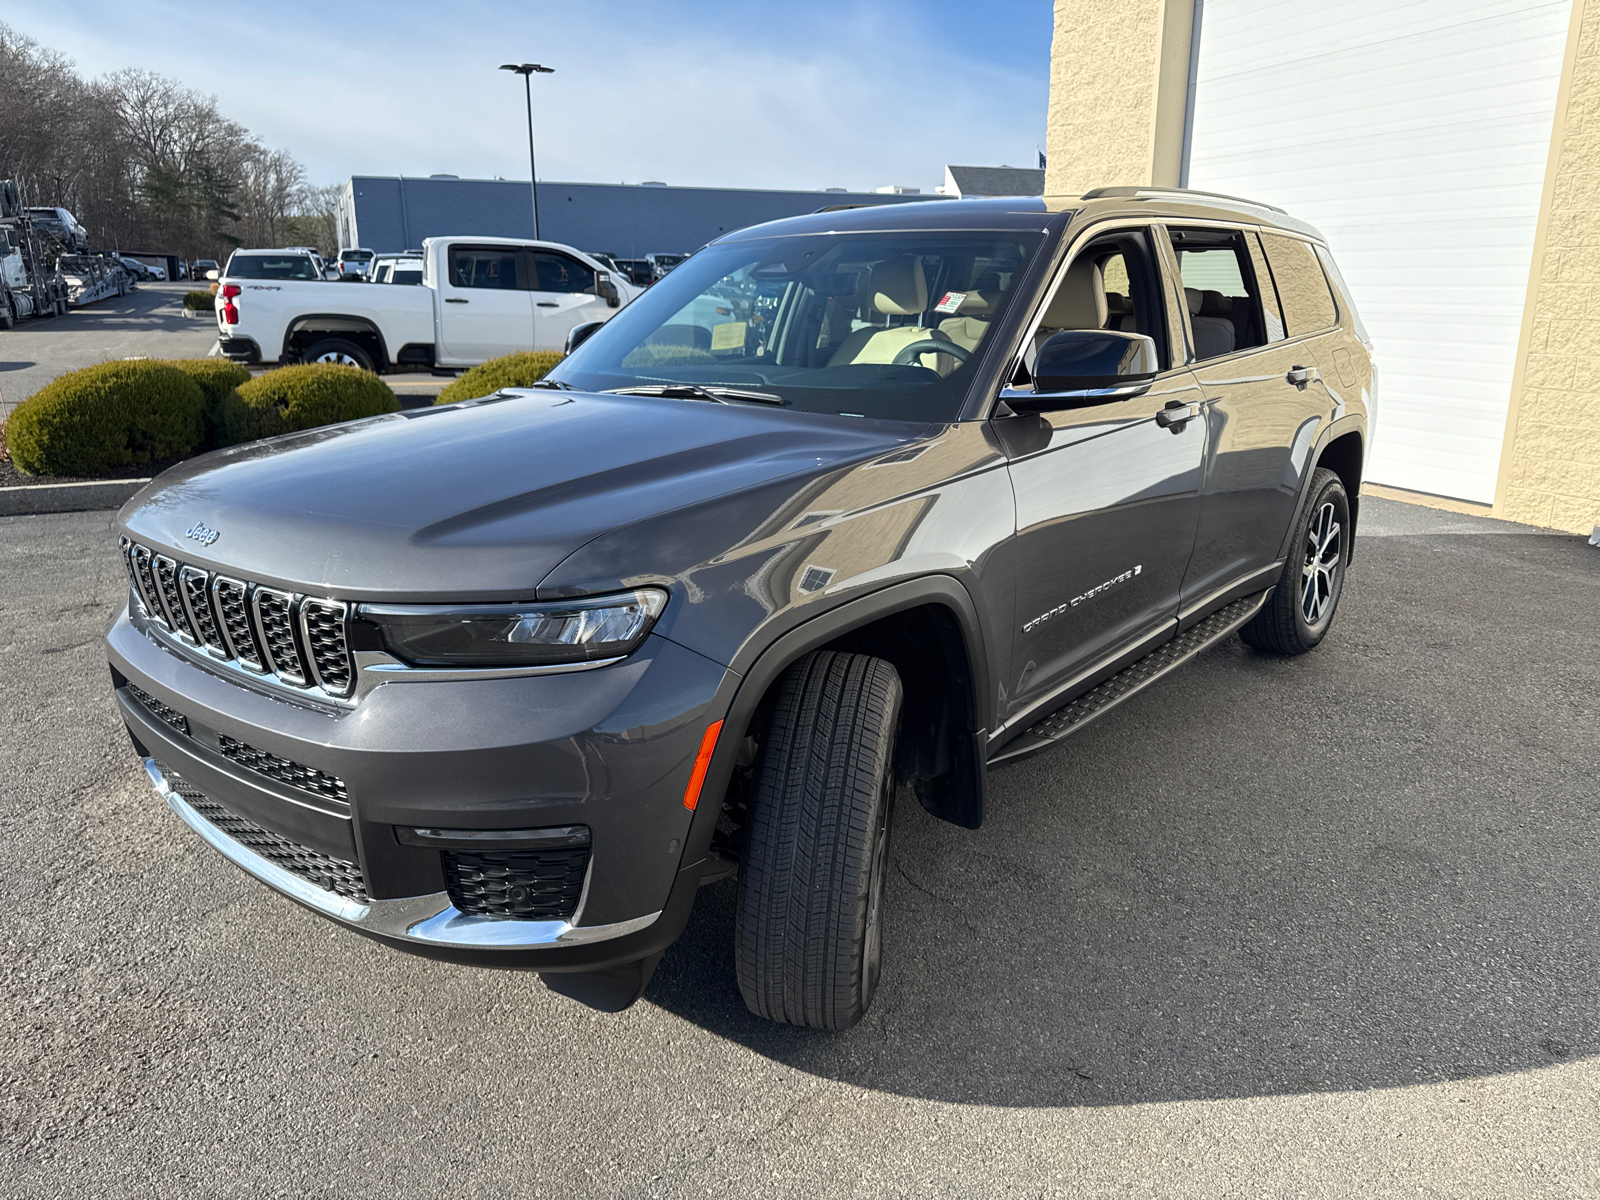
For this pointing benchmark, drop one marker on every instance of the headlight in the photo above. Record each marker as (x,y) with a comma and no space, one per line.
(515,635)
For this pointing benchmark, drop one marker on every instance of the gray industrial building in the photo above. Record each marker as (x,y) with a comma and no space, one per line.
(388,213)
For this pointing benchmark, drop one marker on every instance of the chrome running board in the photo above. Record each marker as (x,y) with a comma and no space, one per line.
(1129,681)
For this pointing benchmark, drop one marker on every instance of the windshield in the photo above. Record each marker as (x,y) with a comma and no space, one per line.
(887,325)
(271,266)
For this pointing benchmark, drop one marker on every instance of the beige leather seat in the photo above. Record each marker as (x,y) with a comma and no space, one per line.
(1079,303)
(1213,333)
(896,288)
(1119,313)
(971,322)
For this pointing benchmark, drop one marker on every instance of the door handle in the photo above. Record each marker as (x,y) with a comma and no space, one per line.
(547,304)
(1300,376)
(1176,414)
(454,300)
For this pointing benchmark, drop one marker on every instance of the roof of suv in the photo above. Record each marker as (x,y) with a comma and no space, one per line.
(1025,212)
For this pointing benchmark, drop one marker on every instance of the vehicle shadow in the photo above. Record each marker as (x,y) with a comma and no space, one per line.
(16,366)
(1372,866)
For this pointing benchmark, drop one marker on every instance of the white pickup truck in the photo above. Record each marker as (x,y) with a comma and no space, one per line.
(481,297)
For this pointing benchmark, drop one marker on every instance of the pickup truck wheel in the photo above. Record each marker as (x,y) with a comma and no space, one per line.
(1301,609)
(337,350)
(808,938)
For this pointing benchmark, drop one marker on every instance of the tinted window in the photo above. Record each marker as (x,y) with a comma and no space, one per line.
(1220,291)
(270,266)
(406,276)
(1302,288)
(483,267)
(1343,289)
(558,273)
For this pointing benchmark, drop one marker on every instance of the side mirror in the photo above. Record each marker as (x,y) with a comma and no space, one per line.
(213,276)
(606,290)
(581,334)
(1079,368)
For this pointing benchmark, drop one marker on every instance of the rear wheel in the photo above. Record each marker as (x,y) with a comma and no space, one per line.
(808,939)
(339,351)
(1301,609)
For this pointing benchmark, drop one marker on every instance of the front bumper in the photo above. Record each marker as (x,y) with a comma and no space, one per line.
(610,750)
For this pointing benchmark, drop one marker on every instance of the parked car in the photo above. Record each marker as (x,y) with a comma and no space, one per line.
(396,268)
(637,271)
(660,264)
(135,268)
(482,297)
(353,264)
(917,493)
(61,225)
(271,264)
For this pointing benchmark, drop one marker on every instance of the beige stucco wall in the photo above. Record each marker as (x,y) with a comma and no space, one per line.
(1550,466)
(1119,78)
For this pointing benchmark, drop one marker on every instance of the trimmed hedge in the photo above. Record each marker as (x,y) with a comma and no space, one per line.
(217,378)
(117,414)
(302,397)
(199,301)
(511,370)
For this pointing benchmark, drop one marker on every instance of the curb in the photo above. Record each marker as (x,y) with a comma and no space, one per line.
(67,497)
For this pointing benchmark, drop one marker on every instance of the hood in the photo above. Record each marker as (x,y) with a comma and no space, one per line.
(476,501)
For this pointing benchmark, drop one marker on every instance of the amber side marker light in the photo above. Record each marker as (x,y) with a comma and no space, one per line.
(702,763)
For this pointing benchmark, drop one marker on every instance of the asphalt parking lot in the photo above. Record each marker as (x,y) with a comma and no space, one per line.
(1274,928)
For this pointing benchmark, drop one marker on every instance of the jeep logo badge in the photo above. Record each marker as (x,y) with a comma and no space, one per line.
(201,534)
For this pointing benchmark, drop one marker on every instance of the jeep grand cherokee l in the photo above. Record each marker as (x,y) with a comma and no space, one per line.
(849,507)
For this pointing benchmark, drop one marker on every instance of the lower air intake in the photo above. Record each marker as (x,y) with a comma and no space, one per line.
(527,885)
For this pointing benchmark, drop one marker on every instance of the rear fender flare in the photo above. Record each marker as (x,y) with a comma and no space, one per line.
(335,323)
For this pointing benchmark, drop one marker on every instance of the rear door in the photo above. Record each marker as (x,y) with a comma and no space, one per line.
(1107,498)
(563,297)
(484,309)
(1257,365)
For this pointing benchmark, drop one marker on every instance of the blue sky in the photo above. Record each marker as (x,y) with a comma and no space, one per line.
(844,93)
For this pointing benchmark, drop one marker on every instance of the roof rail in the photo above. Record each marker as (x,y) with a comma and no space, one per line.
(1135,192)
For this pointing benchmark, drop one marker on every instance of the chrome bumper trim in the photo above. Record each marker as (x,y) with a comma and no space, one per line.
(430,919)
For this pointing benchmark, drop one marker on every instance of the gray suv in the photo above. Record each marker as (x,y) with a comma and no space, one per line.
(848,509)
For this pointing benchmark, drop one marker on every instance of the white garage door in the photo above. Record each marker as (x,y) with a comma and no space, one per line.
(1414,136)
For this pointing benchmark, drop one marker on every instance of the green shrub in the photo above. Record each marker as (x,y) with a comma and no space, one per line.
(118,414)
(511,370)
(217,378)
(199,301)
(302,397)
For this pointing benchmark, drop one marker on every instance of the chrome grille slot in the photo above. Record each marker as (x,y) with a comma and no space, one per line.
(275,619)
(322,624)
(298,642)
(144,579)
(232,599)
(166,572)
(195,585)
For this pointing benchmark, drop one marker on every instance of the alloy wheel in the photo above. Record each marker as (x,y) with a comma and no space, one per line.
(1324,560)
(336,356)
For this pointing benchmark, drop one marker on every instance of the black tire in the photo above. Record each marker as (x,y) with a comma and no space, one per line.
(337,350)
(1300,612)
(808,938)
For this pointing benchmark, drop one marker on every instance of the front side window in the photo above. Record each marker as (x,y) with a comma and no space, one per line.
(1302,287)
(558,273)
(483,267)
(887,325)
(1219,287)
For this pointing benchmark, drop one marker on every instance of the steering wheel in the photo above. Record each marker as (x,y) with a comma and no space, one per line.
(929,346)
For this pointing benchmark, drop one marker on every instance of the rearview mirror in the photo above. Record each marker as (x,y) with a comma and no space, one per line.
(213,276)
(1077,368)
(580,334)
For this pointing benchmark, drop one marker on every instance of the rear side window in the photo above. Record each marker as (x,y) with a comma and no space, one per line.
(1343,289)
(483,267)
(1219,288)
(1302,288)
(558,273)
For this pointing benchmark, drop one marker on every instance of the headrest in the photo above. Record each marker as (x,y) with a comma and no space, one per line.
(1080,301)
(1215,304)
(899,287)
(1195,298)
(1118,304)
(976,305)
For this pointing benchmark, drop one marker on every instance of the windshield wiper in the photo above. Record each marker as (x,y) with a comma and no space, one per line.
(693,391)
(553,383)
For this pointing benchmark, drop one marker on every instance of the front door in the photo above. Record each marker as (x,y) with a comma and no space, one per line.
(484,311)
(1258,371)
(563,297)
(1107,497)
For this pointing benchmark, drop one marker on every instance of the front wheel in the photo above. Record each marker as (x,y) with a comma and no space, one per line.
(339,351)
(1301,609)
(808,939)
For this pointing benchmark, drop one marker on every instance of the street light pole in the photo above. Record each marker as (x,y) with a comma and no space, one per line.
(527,71)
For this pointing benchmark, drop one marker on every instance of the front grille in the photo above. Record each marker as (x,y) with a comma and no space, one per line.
(296,640)
(284,770)
(331,874)
(529,885)
(163,712)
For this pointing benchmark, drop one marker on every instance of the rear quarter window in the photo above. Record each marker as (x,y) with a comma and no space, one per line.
(1342,291)
(1302,287)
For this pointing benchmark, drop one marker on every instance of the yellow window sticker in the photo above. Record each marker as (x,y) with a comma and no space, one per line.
(729,336)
